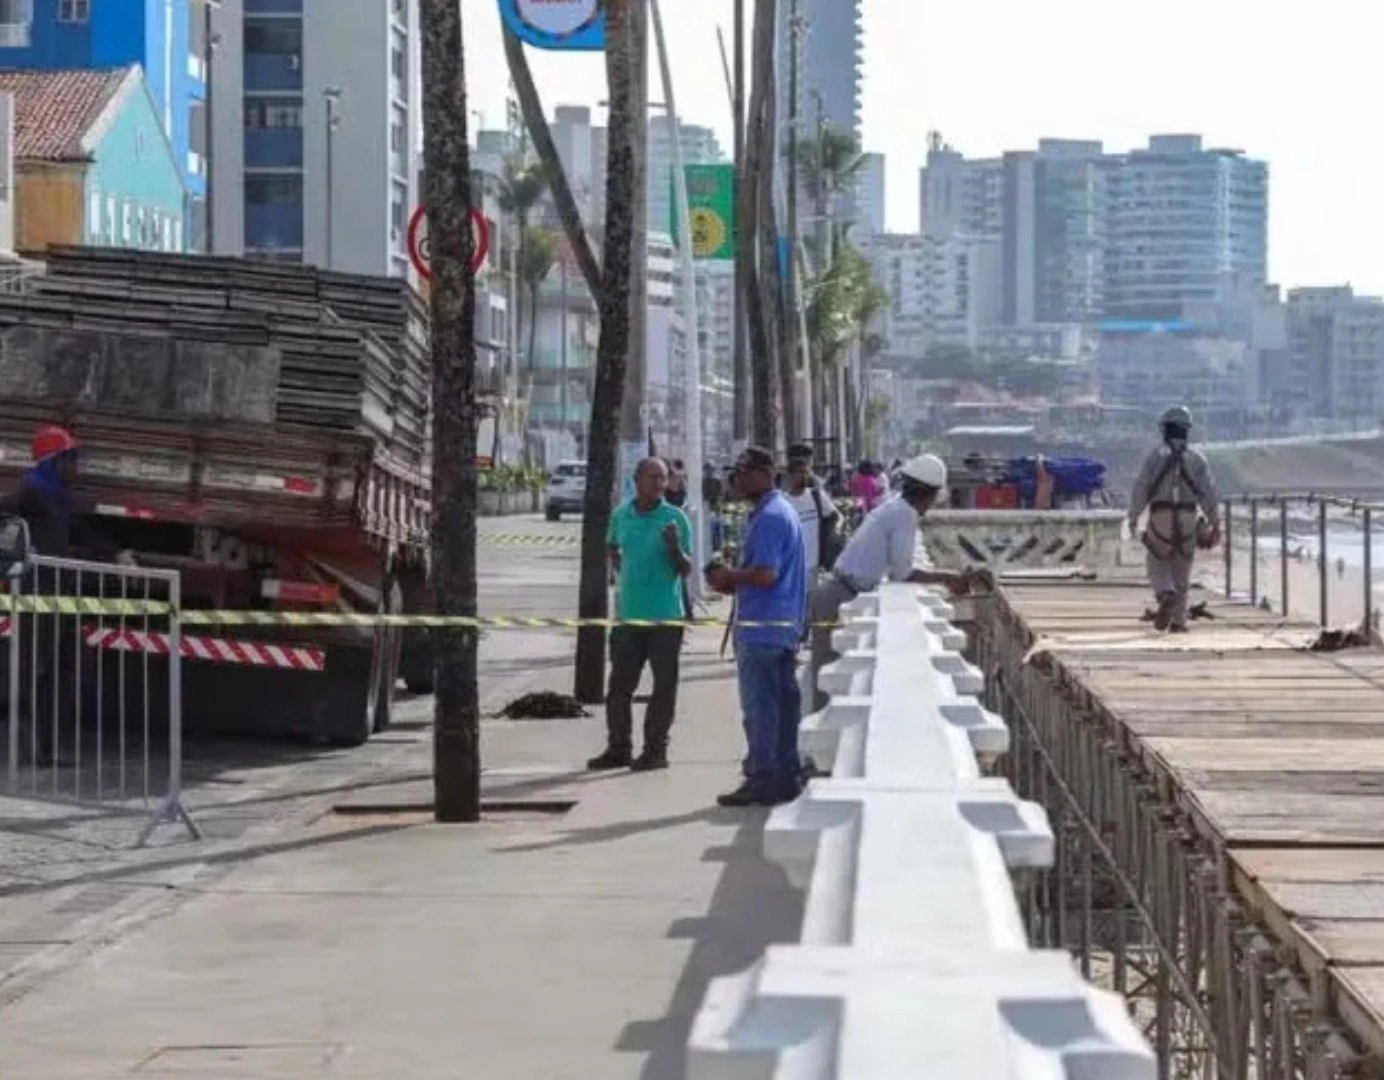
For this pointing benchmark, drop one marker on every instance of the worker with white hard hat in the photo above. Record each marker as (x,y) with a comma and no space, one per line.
(881,549)
(1176,488)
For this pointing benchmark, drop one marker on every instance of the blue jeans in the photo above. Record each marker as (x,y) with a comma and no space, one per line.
(771,706)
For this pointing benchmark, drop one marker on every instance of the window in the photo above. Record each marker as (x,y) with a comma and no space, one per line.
(16,22)
(74,11)
(274,113)
(273,188)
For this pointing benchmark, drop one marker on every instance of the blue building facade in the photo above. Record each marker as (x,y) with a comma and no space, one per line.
(167,38)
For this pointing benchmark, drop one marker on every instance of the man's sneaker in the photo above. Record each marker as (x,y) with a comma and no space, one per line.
(1179,628)
(811,770)
(649,761)
(610,759)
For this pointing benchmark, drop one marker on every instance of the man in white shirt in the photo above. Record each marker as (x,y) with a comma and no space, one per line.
(818,514)
(881,550)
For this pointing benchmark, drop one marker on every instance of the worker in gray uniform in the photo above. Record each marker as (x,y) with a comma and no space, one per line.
(1176,489)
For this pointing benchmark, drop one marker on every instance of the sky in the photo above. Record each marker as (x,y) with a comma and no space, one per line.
(1302,91)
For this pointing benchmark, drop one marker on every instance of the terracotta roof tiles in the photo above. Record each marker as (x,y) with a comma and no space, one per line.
(53,110)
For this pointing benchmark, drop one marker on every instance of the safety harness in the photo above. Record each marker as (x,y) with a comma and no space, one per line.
(1178,541)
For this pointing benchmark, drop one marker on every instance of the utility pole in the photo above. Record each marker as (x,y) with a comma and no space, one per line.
(740,427)
(331,95)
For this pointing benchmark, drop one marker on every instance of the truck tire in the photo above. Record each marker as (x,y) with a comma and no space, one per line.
(552,513)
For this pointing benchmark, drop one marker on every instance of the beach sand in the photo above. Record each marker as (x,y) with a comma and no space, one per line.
(1345,589)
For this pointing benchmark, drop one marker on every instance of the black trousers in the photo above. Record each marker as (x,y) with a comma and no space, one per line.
(631,647)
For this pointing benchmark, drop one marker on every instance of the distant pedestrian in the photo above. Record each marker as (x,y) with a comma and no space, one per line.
(677,483)
(880,550)
(817,514)
(769,586)
(649,542)
(868,487)
(1176,488)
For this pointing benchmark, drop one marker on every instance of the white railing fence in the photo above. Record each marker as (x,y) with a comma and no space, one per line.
(912,959)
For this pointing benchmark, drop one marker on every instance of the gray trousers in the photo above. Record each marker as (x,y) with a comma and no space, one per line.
(824,606)
(1172,574)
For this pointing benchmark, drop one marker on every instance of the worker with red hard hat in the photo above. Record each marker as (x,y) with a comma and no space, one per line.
(44,495)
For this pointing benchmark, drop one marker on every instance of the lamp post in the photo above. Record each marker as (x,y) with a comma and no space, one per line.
(331,96)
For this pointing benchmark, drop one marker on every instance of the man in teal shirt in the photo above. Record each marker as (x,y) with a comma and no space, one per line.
(648,541)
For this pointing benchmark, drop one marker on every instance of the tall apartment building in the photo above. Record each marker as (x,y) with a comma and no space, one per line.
(1186,225)
(1141,235)
(942,291)
(699,147)
(167,38)
(830,72)
(316,118)
(959,194)
(869,196)
(1335,355)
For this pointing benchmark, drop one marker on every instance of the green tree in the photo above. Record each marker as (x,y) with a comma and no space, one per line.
(554,176)
(447,196)
(539,256)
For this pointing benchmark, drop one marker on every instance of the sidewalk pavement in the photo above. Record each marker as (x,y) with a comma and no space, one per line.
(376,944)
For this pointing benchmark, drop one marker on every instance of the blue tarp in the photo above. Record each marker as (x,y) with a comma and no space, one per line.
(1072,476)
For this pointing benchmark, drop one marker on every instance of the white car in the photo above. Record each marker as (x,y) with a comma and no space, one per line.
(566,489)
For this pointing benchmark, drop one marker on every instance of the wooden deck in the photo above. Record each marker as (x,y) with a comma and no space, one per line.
(1276,753)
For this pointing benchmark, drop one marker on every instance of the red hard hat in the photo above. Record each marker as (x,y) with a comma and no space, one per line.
(51,440)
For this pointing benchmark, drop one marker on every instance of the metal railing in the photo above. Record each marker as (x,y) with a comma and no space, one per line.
(1300,533)
(94,698)
(1145,902)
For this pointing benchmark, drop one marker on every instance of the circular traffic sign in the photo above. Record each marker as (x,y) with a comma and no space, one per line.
(420,253)
(558,18)
(708,232)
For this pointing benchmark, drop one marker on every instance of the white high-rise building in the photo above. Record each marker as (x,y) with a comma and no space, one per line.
(316,120)
(699,147)
(576,149)
(942,291)
(869,196)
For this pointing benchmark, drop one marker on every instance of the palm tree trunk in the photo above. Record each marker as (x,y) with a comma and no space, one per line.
(759,164)
(626,49)
(447,184)
(568,213)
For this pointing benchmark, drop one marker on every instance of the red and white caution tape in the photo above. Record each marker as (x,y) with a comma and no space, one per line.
(218,650)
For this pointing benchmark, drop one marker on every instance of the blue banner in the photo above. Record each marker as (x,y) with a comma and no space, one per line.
(565,25)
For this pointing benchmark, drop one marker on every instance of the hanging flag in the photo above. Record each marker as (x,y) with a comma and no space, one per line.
(567,25)
(711,208)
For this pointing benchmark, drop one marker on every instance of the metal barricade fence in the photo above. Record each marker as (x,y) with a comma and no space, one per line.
(95,696)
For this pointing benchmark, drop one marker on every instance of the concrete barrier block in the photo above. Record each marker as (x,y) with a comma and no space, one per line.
(930,745)
(831,1013)
(882,864)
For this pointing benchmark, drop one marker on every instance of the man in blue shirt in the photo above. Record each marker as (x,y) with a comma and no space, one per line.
(770,588)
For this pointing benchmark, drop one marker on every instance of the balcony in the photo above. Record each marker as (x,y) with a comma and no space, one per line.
(273,71)
(274,225)
(273,7)
(274,148)
(577,413)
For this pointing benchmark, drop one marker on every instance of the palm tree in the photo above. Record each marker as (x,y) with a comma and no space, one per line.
(758,235)
(844,300)
(539,253)
(568,213)
(830,166)
(447,196)
(626,51)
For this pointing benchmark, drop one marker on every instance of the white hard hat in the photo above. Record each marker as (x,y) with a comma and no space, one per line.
(926,469)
